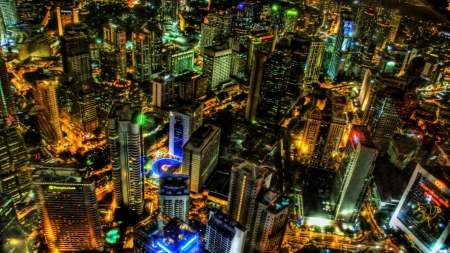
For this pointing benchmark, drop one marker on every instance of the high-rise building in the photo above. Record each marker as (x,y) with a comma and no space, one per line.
(146,53)
(113,55)
(314,61)
(224,235)
(290,20)
(367,96)
(68,209)
(13,237)
(210,36)
(271,211)
(256,78)
(200,155)
(163,90)
(192,86)
(354,175)
(126,146)
(395,23)
(45,95)
(175,236)
(65,16)
(342,43)
(182,123)
(246,183)
(173,197)
(16,184)
(238,59)
(171,10)
(9,12)
(180,62)
(275,80)
(7,103)
(260,40)
(217,65)
(365,22)
(424,210)
(13,152)
(75,52)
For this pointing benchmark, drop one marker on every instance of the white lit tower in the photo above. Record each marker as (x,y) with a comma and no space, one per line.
(126,147)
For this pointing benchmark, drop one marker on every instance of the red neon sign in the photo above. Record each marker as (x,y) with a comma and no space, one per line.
(141,37)
(434,197)
(267,37)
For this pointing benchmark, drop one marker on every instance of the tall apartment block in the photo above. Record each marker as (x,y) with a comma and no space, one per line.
(114,53)
(75,52)
(210,36)
(271,212)
(45,95)
(246,183)
(192,86)
(163,90)
(224,235)
(126,147)
(173,197)
(7,102)
(354,175)
(423,211)
(217,65)
(200,155)
(182,123)
(14,178)
(146,53)
(68,209)
(256,78)
(314,61)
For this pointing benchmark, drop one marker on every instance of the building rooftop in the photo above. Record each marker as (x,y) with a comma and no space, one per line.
(175,236)
(251,169)
(360,134)
(127,112)
(175,184)
(404,143)
(275,202)
(60,176)
(201,137)
(224,224)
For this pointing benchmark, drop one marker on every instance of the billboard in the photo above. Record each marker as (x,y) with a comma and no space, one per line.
(424,211)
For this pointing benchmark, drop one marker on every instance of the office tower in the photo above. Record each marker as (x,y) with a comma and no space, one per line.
(224,235)
(9,12)
(366,52)
(217,65)
(65,16)
(342,44)
(192,86)
(180,62)
(75,52)
(68,209)
(290,21)
(7,102)
(271,212)
(368,95)
(146,53)
(365,22)
(16,184)
(260,40)
(314,61)
(114,53)
(13,152)
(200,155)
(163,90)
(221,21)
(238,59)
(77,101)
(210,35)
(47,107)
(182,123)
(354,175)
(173,197)
(3,38)
(383,122)
(395,23)
(126,147)
(300,48)
(243,17)
(171,10)
(246,183)
(423,211)
(13,237)
(275,79)
(256,78)
(175,236)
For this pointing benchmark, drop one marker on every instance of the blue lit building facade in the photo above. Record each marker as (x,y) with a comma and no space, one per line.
(342,43)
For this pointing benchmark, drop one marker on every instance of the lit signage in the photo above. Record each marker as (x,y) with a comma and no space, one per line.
(267,37)
(434,197)
(291,12)
(53,187)
(355,139)
(438,184)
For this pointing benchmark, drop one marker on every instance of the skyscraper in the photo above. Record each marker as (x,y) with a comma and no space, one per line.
(48,114)
(217,65)
(126,146)
(314,61)
(65,16)
(173,197)
(180,62)
(182,123)
(114,53)
(200,155)
(342,43)
(9,12)
(192,86)
(224,235)
(256,77)
(210,35)
(271,211)
(75,52)
(68,209)
(395,23)
(146,53)
(163,90)
(13,237)
(354,175)
(424,210)
(7,103)
(365,22)
(246,183)
(300,49)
